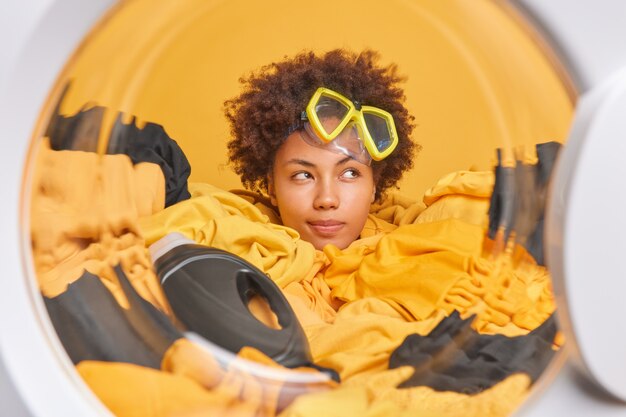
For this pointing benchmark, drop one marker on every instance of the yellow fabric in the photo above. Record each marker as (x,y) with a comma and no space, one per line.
(459,195)
(438,261)
(397,209)
(134,391)
(160,394)
(391,292)
(410,268)
(156,394)
(188,359)
(500,400)
(223,220)
(421,268)
(375,395)
(414,264)
(349,401)
(83,214)
(476,184)
(193,384)
(363,336)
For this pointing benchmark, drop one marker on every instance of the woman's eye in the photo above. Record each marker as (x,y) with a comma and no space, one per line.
(350,173)
(301,176)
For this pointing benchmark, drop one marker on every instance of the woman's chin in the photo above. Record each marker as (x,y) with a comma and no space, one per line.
(319,243)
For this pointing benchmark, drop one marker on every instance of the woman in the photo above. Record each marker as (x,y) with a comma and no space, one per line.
(324,136)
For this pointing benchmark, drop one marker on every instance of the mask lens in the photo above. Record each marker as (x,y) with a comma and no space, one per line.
(379,131)
(348,142)
(330,112)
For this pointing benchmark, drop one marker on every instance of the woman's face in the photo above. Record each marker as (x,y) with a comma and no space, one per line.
(324,195)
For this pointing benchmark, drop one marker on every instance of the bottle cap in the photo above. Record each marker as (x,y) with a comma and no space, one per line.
(166,244)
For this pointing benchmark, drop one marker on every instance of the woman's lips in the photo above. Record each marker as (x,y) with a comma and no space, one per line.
(326,227)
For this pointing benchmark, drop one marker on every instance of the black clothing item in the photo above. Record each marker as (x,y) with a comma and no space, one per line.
(76,133)
(547,154)
(152,144)
(518,199)
(454,357)
(92,326)
(502,202)
(81,131)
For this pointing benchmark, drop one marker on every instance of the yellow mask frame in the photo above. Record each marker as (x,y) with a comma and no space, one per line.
(360,115)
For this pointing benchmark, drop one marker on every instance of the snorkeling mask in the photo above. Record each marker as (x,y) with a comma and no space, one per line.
(336,123)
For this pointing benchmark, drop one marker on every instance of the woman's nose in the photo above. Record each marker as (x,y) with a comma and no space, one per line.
(327,197)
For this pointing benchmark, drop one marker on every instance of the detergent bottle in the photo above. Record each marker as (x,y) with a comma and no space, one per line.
(209,291)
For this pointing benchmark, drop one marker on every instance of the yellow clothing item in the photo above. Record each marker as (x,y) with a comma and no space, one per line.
(134,391)
(223,220)
(411,279)
(411,268)
(498,401)
(362,337)
(462,195)
(397,209)
(194,384)
(83,215)
(187,359)
(349,402)
(475,184)
(375,395)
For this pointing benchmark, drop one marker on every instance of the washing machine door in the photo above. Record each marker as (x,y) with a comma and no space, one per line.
(585,225)
(36,39)
(584,213)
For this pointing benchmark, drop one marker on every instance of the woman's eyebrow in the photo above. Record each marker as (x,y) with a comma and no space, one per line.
(309,164)
(344,160)
(300,162)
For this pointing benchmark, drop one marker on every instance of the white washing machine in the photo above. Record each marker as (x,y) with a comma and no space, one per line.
(585,233)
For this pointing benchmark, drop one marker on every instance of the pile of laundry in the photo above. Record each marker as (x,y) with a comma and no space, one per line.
(438,309)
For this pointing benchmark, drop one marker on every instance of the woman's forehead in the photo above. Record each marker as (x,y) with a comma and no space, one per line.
(294,150)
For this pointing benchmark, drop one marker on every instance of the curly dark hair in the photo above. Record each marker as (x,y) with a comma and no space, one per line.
(273,99)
